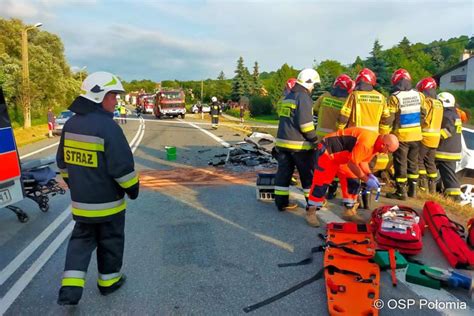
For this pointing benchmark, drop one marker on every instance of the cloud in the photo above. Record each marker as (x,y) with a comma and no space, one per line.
(197,39)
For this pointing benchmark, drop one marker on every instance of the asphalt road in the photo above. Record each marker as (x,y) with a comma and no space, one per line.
(197,240)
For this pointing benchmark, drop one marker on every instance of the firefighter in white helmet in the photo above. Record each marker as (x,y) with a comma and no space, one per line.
(96,162)
(295,142)
(215,112)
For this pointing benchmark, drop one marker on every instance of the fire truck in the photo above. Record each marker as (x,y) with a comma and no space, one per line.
(169,102)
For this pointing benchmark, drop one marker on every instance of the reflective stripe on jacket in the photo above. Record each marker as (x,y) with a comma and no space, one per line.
(365,109)
(406,107)
(431,125)
(449,148)
(295,128)
(95,157)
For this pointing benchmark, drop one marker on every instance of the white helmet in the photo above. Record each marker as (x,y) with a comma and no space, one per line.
(214,99)
(98,84)
(308,78)
(447,99)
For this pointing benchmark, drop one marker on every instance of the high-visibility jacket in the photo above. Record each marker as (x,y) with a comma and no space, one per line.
(327,107)
(295,128)
(354,144)
(431,125)
(123,110)
(406,108)
(366,109)
(96,162)
(450,147)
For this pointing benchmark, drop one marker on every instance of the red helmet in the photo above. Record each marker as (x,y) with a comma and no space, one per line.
(367,76)
(399,75)
(290,83)
(426,83)
(344,82)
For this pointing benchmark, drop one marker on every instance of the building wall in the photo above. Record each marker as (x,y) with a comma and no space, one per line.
(470,74)
(445,80)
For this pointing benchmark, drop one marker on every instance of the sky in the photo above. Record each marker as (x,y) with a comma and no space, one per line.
(196,39)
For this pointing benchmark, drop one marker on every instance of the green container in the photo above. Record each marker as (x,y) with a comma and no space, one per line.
(416,274)
(170,152)
(381,258)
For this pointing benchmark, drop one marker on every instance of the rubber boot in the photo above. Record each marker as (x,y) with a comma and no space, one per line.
(110,289)
(432,186)
(69,295)
(311,217)
(412,188)
(400,193)
(350,213)
(289,207)
(423,184)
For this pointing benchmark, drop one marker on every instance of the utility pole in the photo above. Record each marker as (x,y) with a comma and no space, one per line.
(26,76)
(202,90)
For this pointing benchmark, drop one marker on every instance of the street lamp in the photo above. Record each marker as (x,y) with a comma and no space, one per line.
(26,75)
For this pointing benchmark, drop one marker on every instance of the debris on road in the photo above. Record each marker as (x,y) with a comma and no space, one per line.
(255,150)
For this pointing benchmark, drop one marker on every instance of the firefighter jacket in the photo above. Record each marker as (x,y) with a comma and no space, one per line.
(431,125)
(366,109)
(123,110)
(352,144)
(327,107)
(96,162)
(405,109)
(296,129)
(449,148)
(215,109)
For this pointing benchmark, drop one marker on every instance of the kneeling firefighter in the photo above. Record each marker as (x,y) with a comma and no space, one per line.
(96,162)
(354,147)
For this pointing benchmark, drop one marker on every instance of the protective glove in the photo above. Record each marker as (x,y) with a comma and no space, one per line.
(372,182)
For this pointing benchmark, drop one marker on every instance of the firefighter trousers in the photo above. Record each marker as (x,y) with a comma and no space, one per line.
(108,238)
(447,171)
(426,162)
(350,184)
(287,161)
(215,120)
(405,162)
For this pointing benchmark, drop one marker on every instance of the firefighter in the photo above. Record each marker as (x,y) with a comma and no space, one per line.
(449,149)
(296,139)
(365,107)
(123,113)
(215,111)
(97,164)
(290,83)
(406,108)
(327,108)
(430,130)
(347,153)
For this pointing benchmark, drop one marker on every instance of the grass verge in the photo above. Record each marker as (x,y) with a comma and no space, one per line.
(30,135)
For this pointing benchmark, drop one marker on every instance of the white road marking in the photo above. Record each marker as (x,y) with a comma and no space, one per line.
(427,293)
(217,139)
(140,134)
(39,150)
(181,121)
(7,272)
(26,278)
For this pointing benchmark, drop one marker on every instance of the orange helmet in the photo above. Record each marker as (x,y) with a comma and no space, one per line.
(367,76)
(399,75)
(290,83)
(426,83)
(344,82)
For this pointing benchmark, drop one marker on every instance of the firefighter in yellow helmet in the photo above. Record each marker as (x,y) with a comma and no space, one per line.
(96,162)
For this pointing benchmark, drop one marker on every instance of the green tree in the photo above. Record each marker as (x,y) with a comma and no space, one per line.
(256,86)
(277,85)
(377,64)
(221,76)
(241,82)
(328,71)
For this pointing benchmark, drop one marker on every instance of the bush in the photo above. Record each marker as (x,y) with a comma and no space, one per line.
(260,105)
